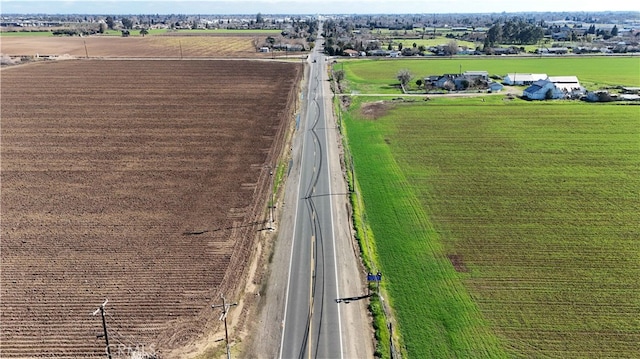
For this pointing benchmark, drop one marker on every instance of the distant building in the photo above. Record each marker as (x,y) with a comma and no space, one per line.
(552,50)
(631,90)
(522,79)
(629,97)
(484,75)
(379,53)
(351,53)
(446,80)
(495,87)
(459,82)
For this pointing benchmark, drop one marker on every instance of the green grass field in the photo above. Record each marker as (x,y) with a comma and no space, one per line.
(25,33)
(535,204)
(426,42)
(379,76)
(437,317)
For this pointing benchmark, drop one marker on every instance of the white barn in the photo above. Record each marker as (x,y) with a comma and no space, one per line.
(566,83)
(522,79)
(543,90)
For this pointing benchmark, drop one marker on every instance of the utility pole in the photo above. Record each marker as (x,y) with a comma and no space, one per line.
(225,309)
(104,326)
(271,204)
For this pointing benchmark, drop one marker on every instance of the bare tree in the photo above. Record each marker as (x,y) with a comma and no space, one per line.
(451,48)
(404,76)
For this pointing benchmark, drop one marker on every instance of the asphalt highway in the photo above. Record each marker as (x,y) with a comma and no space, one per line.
(311,326)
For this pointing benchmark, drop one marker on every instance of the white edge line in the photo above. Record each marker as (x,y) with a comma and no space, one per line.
(295,223)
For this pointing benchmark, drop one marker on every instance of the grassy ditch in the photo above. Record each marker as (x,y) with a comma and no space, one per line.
(367,247)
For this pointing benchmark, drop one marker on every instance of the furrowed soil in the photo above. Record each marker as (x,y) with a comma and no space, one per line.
(168,46)
(144,182)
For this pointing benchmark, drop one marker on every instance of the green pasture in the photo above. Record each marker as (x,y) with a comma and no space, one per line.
(426,42)
(228,32)
(25,33)
(379,75)
(415,32)
(436,315)
(535,205)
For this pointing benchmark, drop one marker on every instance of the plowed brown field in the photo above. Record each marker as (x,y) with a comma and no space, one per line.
(150,46)
(144,182)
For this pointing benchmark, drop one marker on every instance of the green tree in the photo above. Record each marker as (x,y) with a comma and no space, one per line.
(109,21)
(494,36)
(259,18)
(400,47)
(338,75)
(419,83)
(144,32)
(127,23)
(614,31)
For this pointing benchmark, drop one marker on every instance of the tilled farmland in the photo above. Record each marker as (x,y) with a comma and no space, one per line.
(144,182)
(145,47)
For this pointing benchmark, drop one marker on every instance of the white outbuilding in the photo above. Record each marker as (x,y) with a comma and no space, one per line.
(566,83)
(522,79)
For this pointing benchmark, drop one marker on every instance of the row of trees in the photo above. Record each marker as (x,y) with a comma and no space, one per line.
(513,32)
(73,32)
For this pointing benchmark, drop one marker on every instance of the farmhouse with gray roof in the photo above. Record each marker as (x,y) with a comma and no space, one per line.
(543,90)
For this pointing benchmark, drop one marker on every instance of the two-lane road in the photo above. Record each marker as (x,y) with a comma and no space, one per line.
(312,327)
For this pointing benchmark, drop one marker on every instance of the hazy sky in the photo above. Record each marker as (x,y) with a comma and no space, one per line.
(307,6)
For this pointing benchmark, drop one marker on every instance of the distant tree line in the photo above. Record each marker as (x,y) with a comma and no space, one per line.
(604,33)
(515,32)
(73,32)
